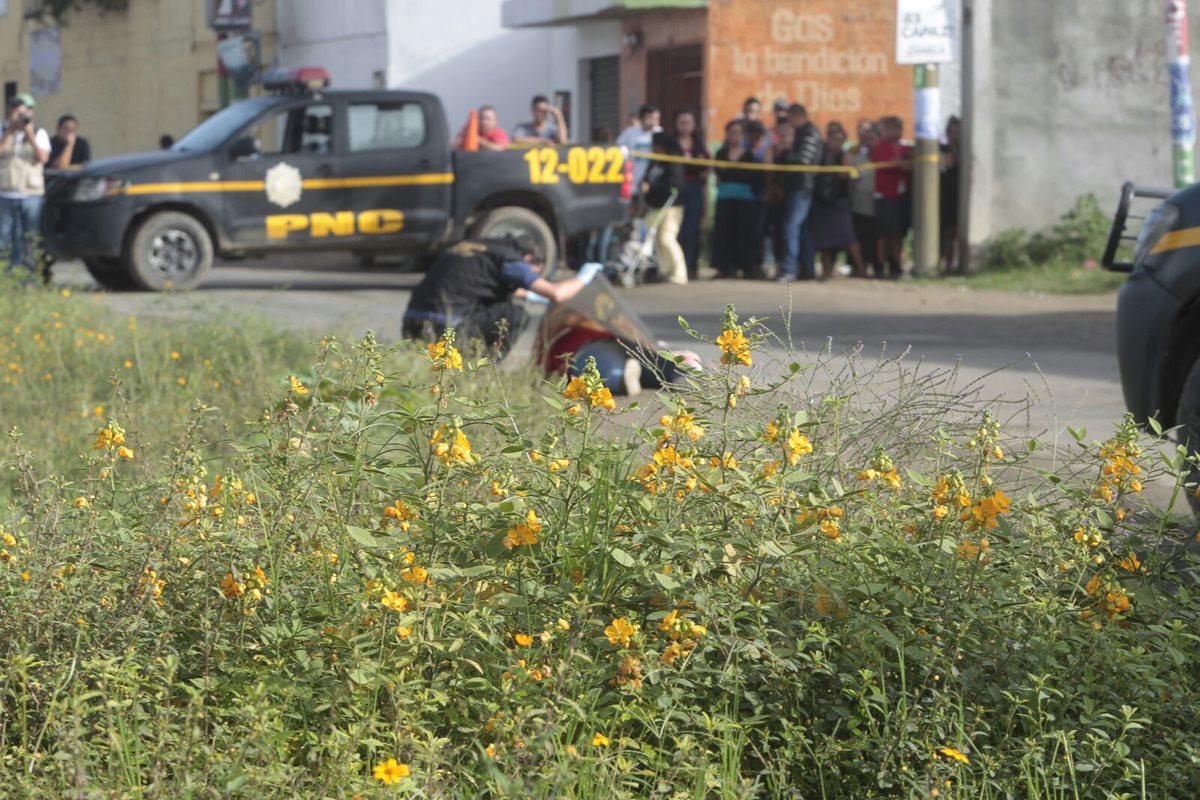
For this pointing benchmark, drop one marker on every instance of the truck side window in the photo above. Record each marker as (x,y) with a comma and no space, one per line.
(308,129)
(386,126)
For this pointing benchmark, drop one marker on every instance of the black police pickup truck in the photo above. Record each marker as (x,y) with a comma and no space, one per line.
(310,170)
(1158,309)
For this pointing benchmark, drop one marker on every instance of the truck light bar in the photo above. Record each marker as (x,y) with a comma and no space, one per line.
(296,81)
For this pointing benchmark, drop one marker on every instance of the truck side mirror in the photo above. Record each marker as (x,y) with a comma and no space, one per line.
(244,147)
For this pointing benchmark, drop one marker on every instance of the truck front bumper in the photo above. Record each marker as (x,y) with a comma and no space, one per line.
(85,230)
(1146,315)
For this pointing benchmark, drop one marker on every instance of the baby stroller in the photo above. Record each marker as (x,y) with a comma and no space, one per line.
(637,260)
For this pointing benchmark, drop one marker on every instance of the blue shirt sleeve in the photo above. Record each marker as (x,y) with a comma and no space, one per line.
(518,274)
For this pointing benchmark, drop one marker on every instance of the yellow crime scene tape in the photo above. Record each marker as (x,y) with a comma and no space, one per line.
(852,171)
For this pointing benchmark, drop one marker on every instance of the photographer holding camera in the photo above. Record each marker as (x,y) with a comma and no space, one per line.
(24,151)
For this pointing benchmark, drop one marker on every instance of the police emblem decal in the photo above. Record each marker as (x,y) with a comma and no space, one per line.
(284,185)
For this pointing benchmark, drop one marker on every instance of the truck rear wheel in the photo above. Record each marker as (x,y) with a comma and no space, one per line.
(518,220)
(110,273)
(170,250)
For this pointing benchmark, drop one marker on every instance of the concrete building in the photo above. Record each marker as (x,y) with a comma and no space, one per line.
(129,75)
(458,49)
(1062,99)
(835,57)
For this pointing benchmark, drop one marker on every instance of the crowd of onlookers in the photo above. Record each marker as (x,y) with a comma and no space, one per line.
(767,223)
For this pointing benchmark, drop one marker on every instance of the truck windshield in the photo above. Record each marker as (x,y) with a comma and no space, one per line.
(220,126)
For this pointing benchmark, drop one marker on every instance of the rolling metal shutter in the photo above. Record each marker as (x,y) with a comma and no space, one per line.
(605,104)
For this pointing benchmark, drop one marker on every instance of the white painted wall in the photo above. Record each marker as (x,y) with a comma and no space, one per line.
(351,43)
(459,50)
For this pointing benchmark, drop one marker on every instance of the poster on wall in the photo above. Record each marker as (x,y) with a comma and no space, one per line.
(230,15)
(45,61)
(241,58)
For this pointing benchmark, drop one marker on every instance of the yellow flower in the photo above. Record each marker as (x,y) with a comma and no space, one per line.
(600,740)
(128,364)
(523,639)
(125,453)
(1130,563)
(577,389)
(231,587)
(831,530)
(940,512)
(490,750)
(797,446)
(672,652)
(297,387)
(9,539)
(620,631)
(390,772)
(175,355)
(444,356)
(735,347)
(1116,603)
(403,631)
(957,755)
(111,435)
(602,398)
(414,574)
(456,450)
(668,622)
(523,533)
(396,602)
(986,510)
(563,625)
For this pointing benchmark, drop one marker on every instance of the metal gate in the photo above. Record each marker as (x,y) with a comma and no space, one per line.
(675,81)
(605,104)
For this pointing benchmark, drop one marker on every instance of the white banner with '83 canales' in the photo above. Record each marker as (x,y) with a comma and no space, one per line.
(926,31)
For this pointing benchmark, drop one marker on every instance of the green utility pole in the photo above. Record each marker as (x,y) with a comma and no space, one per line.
(926,172)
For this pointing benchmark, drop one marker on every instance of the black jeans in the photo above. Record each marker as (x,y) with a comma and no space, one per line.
(497,326)
(737,238)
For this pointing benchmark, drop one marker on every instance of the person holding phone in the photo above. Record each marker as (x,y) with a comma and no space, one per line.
(24,151)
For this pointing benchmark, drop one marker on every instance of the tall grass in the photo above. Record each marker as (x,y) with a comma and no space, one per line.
(868,589)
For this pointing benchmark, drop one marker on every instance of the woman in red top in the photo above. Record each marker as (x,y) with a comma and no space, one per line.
(891,193)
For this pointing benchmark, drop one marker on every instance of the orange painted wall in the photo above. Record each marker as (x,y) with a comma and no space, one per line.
(837,57)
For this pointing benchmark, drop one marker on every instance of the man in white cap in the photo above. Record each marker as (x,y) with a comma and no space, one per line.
(24,151)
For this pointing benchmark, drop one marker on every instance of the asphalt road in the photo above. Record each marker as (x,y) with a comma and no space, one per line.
(1056,351)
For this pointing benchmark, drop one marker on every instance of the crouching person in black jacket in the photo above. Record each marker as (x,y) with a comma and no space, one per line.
(473,287)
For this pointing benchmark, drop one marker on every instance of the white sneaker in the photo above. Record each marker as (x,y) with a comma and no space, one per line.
(633,377)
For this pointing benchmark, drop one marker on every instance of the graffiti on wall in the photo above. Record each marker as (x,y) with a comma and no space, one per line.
(835,58)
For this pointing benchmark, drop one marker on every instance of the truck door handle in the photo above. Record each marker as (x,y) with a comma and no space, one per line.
(325,169)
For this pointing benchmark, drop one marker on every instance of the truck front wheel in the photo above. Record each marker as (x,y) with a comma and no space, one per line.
(518,220)
(170,250)
(110,273)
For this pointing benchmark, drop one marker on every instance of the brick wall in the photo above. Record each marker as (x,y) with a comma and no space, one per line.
(657,30)
(837,57)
